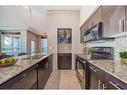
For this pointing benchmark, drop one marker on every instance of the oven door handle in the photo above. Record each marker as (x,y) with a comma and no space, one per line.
(81,61)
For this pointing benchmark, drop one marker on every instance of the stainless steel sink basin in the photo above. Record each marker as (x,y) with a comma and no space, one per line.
(35,57)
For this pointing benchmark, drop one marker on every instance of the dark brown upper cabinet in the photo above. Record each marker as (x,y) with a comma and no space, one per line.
(113,19)
(83,29)
(92,21)
(125,19)
(95,18)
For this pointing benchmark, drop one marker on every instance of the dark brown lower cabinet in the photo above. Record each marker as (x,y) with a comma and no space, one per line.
(44,71)
(64,60)
(25,80)
(34,77)
(100,79)
(95,77)
(111,82)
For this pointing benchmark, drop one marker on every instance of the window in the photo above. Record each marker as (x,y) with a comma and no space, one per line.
(44,45)
(10,42)
(32,46)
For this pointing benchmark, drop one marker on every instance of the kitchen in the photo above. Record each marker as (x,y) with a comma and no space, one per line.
(86,44)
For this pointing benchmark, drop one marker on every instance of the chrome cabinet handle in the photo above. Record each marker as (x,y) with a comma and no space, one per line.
(24,75)
(115,85)
(103,86)
(123,23)
(99,84)
(93,69)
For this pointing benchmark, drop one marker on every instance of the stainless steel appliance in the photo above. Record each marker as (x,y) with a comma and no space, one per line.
(81,72)
(102,53)
(94,33)
(98,53)
(88,77)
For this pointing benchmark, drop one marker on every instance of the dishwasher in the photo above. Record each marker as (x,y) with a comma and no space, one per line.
(25,80)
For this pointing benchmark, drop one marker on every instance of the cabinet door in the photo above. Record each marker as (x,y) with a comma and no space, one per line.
(126,19)
(83,29)
(42,73)
(113,19)
(64,61)
(111,82)
(95,18)
(95,77)
(81,34)
(68,60)
(61,60)
(50,62)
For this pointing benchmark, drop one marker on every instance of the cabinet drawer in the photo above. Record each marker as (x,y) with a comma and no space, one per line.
(112,82)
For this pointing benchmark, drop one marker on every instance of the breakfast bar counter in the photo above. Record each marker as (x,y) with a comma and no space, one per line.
(6,73)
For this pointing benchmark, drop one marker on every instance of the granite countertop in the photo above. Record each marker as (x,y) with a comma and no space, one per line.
(115,68)
(11,71)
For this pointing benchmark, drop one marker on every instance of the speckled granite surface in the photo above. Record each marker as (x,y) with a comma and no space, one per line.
(9,72)
(117,69)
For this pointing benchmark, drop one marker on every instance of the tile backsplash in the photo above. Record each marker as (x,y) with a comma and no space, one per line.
(119,44)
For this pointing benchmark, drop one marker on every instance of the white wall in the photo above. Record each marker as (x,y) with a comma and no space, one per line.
(38,19)
(85,12)
(63,19)
(19,17)
(14,16)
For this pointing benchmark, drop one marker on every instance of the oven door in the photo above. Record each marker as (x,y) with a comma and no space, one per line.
(81,72)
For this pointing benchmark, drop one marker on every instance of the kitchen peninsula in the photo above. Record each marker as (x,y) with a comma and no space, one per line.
(29,72)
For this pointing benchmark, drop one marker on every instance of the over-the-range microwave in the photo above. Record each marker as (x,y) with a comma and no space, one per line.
(94,33)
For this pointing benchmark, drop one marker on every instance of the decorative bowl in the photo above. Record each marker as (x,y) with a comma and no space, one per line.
(7,63)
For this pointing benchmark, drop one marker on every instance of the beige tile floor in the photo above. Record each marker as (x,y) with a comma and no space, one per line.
(53,81)
(63,79)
